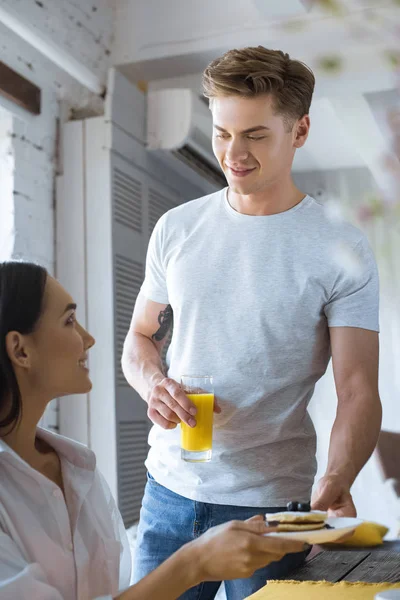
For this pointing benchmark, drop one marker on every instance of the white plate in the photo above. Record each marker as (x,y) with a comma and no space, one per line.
(342,526)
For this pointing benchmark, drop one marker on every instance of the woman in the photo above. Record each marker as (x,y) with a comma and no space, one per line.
(61,535)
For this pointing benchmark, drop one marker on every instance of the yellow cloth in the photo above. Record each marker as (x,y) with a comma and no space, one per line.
(366,535)
(321,590)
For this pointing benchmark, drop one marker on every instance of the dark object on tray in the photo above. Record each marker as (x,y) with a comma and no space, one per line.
(298,506)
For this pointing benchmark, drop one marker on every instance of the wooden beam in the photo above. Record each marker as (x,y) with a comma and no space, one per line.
(16,88)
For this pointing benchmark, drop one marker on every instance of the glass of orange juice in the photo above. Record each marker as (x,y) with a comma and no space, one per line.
(196,442)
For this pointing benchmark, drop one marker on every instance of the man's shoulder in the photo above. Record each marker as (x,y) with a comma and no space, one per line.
(330,224)
(193,208)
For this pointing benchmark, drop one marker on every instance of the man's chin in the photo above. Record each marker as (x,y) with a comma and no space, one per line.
(242,189)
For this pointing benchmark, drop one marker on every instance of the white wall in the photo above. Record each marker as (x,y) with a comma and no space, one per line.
(83,30)
(6,186)
(374,499)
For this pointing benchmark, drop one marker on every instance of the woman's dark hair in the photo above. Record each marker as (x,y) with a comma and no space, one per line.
(22,286)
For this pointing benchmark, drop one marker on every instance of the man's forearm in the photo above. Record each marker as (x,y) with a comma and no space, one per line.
(354,436)
(141,364)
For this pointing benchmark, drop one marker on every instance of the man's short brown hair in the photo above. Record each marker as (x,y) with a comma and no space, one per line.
(251,72)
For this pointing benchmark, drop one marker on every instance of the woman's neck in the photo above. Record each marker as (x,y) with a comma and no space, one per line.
(22,437)
(36,452)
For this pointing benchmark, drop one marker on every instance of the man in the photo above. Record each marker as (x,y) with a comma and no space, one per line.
(250,278)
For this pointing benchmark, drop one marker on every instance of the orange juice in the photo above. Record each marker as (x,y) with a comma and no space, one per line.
(199,438)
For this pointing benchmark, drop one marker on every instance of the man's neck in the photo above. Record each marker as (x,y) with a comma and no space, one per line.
(269,201)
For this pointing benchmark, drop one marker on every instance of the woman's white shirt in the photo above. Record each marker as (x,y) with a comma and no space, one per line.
(54,547)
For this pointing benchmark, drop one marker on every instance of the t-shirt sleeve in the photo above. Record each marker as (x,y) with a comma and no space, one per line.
(354,300)
(155,285)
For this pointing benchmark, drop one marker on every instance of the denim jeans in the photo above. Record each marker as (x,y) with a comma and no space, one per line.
(168,521)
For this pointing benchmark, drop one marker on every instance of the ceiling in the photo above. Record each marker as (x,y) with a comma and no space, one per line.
(350,102)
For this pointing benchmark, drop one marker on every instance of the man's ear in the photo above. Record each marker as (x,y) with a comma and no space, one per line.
(301,132)
(16,348)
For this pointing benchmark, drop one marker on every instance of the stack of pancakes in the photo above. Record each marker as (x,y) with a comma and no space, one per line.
(297,521)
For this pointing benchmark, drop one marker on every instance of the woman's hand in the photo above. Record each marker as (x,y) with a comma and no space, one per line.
(238,548)
(230,551)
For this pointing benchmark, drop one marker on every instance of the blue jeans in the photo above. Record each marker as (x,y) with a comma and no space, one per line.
(168,521)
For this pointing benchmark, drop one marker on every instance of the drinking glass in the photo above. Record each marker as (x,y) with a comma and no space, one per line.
(196,442)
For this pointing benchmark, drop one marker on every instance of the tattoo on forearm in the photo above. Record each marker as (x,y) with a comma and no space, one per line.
(165,319)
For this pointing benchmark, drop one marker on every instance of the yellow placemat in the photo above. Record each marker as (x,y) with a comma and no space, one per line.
(321,590)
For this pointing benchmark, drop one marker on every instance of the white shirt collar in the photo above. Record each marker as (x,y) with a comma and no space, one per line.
(74,452)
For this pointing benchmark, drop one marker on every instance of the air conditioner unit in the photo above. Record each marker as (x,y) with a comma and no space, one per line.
(179,129)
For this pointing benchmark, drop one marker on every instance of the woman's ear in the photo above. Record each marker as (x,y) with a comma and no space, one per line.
(17,350)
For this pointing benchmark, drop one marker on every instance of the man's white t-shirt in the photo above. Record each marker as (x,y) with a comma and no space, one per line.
(253,298)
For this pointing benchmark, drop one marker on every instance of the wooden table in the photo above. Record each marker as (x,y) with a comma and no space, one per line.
(372,565)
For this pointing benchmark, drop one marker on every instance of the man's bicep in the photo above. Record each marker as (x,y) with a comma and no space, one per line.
(152,319)
(355,359)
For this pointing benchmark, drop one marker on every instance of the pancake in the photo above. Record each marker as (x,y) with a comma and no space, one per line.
(297,521)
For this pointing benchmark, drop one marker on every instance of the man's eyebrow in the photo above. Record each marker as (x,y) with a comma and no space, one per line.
(250,130)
